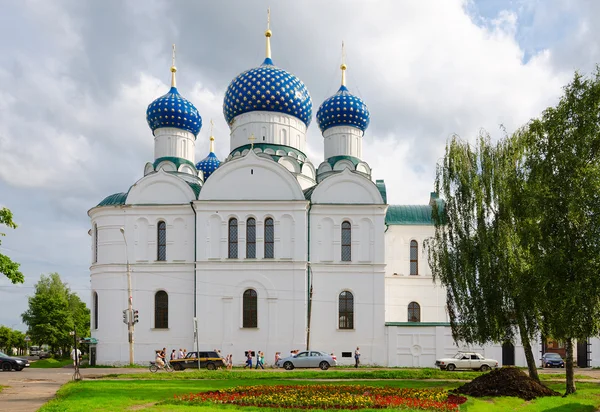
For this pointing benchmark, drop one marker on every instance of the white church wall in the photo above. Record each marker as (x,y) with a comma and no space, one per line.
(160,188)
(172,142)
(342,141)
(346,188)
(251,177)
(595,355)
(268,127)
(281,310)
(289,228)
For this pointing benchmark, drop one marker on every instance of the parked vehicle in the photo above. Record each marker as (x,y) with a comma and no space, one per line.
(209,360)
(8,363)
(154,367)
(466,360)
(308,359)
(552,360)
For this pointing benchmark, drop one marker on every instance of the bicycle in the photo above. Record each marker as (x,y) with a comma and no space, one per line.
(154,367)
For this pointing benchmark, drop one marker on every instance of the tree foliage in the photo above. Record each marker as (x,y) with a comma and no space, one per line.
(54,311)
(10,338)
(7,267)
(561,214)
(475,253)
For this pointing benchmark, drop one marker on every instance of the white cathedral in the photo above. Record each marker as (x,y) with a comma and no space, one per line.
(263,249)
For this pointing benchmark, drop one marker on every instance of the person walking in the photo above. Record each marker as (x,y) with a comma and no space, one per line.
(181,354)
(184,353)
(248,359)
(356,357)
(229,361)
(260,359)
(173,355)
(76,356)
(277,359)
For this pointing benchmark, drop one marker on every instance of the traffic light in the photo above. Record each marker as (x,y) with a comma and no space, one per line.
(126,317)
(136,316)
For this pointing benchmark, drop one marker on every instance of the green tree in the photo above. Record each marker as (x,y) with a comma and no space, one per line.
(475,253)
(53,313)
(7,267)
(560,213)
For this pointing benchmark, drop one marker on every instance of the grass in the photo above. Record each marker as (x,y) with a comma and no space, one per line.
(418,373)
(50,363)
(115,395)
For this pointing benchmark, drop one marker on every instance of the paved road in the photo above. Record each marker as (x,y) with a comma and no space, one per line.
(28,390)
(31,388)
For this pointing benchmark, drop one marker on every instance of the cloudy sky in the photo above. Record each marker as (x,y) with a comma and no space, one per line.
(76,78)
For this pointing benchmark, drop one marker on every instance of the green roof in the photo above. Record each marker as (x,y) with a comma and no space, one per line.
(114,200)
(409,215)
(334,159)
(382,190)
(308,192)
(274,147)
(178,161)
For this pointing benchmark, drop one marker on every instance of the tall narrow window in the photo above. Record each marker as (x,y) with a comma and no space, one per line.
(95,310)
(233,238)
(161,241)
(251,238)
(161,310)
(95,257)
(414,312)
(346,242)
(250,309)
(269,238)
(346,310)
(414,258)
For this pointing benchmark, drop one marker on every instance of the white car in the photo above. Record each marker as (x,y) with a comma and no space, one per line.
(466,360)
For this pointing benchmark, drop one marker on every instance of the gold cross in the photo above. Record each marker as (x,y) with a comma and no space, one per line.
(268,18)
(252,139)
(173,58)
(211,126)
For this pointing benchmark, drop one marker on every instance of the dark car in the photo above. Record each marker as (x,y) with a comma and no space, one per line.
(8,363)
(208,360)
(552,360)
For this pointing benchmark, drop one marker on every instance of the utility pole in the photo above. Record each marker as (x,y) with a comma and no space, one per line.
(129,301)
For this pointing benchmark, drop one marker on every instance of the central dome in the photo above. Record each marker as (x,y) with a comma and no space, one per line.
(267,88)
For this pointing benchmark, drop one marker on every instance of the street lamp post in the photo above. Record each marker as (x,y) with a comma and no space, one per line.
(129,301)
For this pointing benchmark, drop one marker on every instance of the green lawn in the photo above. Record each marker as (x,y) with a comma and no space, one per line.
(115,395)
(418,373)
(50,363)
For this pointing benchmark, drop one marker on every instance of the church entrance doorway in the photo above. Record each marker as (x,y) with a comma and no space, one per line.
(508,354)
(583,354)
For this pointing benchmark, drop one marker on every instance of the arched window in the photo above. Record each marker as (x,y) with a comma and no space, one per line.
(95,310)
(414,312)
(251,238)
(346,310)
(250,309)
(414,258)
(95,257)
(233,238)
(346,242)
(161,241)
(161,310)
(269,238)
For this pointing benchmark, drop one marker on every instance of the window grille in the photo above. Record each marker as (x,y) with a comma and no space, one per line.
(269,238)
(95,310)
(161,310)
(346,242)
(346,310)
(233,238)
(414,312)
(250,309)
(162,241)
(414,258)
(251,238)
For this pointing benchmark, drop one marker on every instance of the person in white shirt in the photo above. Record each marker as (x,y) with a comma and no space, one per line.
(76,356)
(181,356)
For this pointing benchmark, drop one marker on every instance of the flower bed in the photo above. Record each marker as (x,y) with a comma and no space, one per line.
(329,397)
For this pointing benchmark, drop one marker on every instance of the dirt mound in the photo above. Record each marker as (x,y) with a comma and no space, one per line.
(506,382)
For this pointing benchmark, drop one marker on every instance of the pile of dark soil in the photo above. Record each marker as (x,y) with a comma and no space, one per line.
(506,382)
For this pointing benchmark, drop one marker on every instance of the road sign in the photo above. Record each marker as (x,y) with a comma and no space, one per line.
(27,339)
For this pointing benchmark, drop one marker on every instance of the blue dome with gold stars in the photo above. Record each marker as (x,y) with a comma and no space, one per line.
(173,110)
(343,109)
(208,165)
(267,88)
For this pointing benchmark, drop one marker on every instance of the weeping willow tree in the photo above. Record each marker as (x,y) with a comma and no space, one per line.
(475,252)
(559,204)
